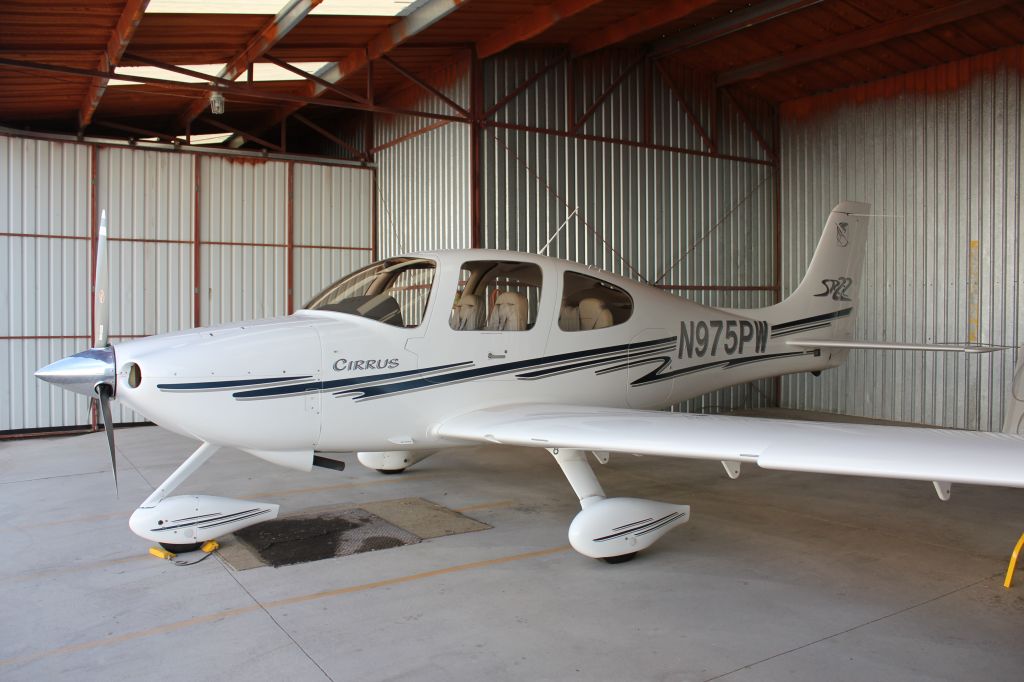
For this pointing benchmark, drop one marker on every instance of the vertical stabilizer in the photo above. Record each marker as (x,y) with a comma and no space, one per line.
(824,304)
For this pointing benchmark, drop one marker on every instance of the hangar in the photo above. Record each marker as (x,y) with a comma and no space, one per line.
(249,154)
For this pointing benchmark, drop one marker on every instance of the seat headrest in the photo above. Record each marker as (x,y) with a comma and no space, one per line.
(569,318)
(594,314)
(509,314)
(469,314)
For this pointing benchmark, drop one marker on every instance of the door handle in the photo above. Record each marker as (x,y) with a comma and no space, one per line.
(495,356)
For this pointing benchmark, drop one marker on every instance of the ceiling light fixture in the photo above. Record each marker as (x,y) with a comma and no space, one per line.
(216,102)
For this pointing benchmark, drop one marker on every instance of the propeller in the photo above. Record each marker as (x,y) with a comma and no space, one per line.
(92,372)
(101,305)
(104,391)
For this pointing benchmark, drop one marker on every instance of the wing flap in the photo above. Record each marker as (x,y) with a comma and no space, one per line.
(832,448)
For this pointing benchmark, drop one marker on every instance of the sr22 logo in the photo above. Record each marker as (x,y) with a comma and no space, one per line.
(837,288)
(704,337)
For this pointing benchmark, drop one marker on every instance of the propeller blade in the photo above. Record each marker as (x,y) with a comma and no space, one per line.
(108,427)
(102,304)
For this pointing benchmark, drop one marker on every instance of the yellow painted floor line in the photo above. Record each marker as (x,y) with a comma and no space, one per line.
(500,504)
(288,601)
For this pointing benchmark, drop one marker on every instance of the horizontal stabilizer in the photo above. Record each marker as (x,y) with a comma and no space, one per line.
(888,345)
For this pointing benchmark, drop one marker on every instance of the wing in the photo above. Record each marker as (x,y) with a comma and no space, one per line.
(939,455)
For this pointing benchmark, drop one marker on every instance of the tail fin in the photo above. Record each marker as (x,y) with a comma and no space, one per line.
(823,306)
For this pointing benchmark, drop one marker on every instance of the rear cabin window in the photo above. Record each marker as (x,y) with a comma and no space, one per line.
(496,296)
(591,303)
(395,292)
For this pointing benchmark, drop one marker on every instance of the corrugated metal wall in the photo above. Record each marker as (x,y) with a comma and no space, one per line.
(243,219)
(256,219)
(643,212)
(945,167)
(423,177)
(45,231)
(332,208)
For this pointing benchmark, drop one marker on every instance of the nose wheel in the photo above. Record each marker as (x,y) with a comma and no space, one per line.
(181,548)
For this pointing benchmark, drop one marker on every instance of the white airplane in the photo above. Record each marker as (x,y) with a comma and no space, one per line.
(451,349)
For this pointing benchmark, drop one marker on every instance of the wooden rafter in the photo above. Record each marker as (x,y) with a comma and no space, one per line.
(277,28)
(381,44)
(122,34)
(531,25)
(856,40)
(636,24)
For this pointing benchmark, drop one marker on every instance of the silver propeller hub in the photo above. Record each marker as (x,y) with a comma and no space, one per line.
(83,372)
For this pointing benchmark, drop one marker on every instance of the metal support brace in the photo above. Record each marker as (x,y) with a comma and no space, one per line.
(186,469)
(1013,562)
(581,477)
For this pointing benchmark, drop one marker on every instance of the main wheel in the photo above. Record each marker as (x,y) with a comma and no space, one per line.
(181,549)
(621,559)
(390,472)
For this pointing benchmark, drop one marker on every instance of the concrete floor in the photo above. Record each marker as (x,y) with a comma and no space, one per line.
(777,577)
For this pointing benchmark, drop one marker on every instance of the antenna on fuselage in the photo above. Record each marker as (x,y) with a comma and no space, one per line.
(560,228)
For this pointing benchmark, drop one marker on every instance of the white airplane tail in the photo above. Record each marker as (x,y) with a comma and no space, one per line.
(824,304)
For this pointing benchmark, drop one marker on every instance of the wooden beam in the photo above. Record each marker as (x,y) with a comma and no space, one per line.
(312,77)
(739,20)
(531,25)
(856,40)
(122,34)
(625,29)
(277,28)
(385,41)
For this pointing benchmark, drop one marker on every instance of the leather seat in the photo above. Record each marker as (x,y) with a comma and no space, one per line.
(594,314)
(469,314)
(510,313)
(569,318)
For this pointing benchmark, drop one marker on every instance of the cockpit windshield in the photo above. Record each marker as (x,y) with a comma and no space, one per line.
(393,291)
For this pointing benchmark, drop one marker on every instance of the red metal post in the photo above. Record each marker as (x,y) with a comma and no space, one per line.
(777,236)
(476,133)
(94,217)
(196,245)
(289,240)
(373,215)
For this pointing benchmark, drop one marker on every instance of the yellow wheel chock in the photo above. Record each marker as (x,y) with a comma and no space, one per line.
(1013,563)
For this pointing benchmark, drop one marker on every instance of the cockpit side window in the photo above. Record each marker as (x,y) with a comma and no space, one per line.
(497,296)
(591,303)
(395,292)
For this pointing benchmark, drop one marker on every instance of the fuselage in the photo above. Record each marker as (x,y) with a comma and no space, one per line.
(326,380)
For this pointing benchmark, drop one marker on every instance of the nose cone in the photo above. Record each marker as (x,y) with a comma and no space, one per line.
(81,372)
